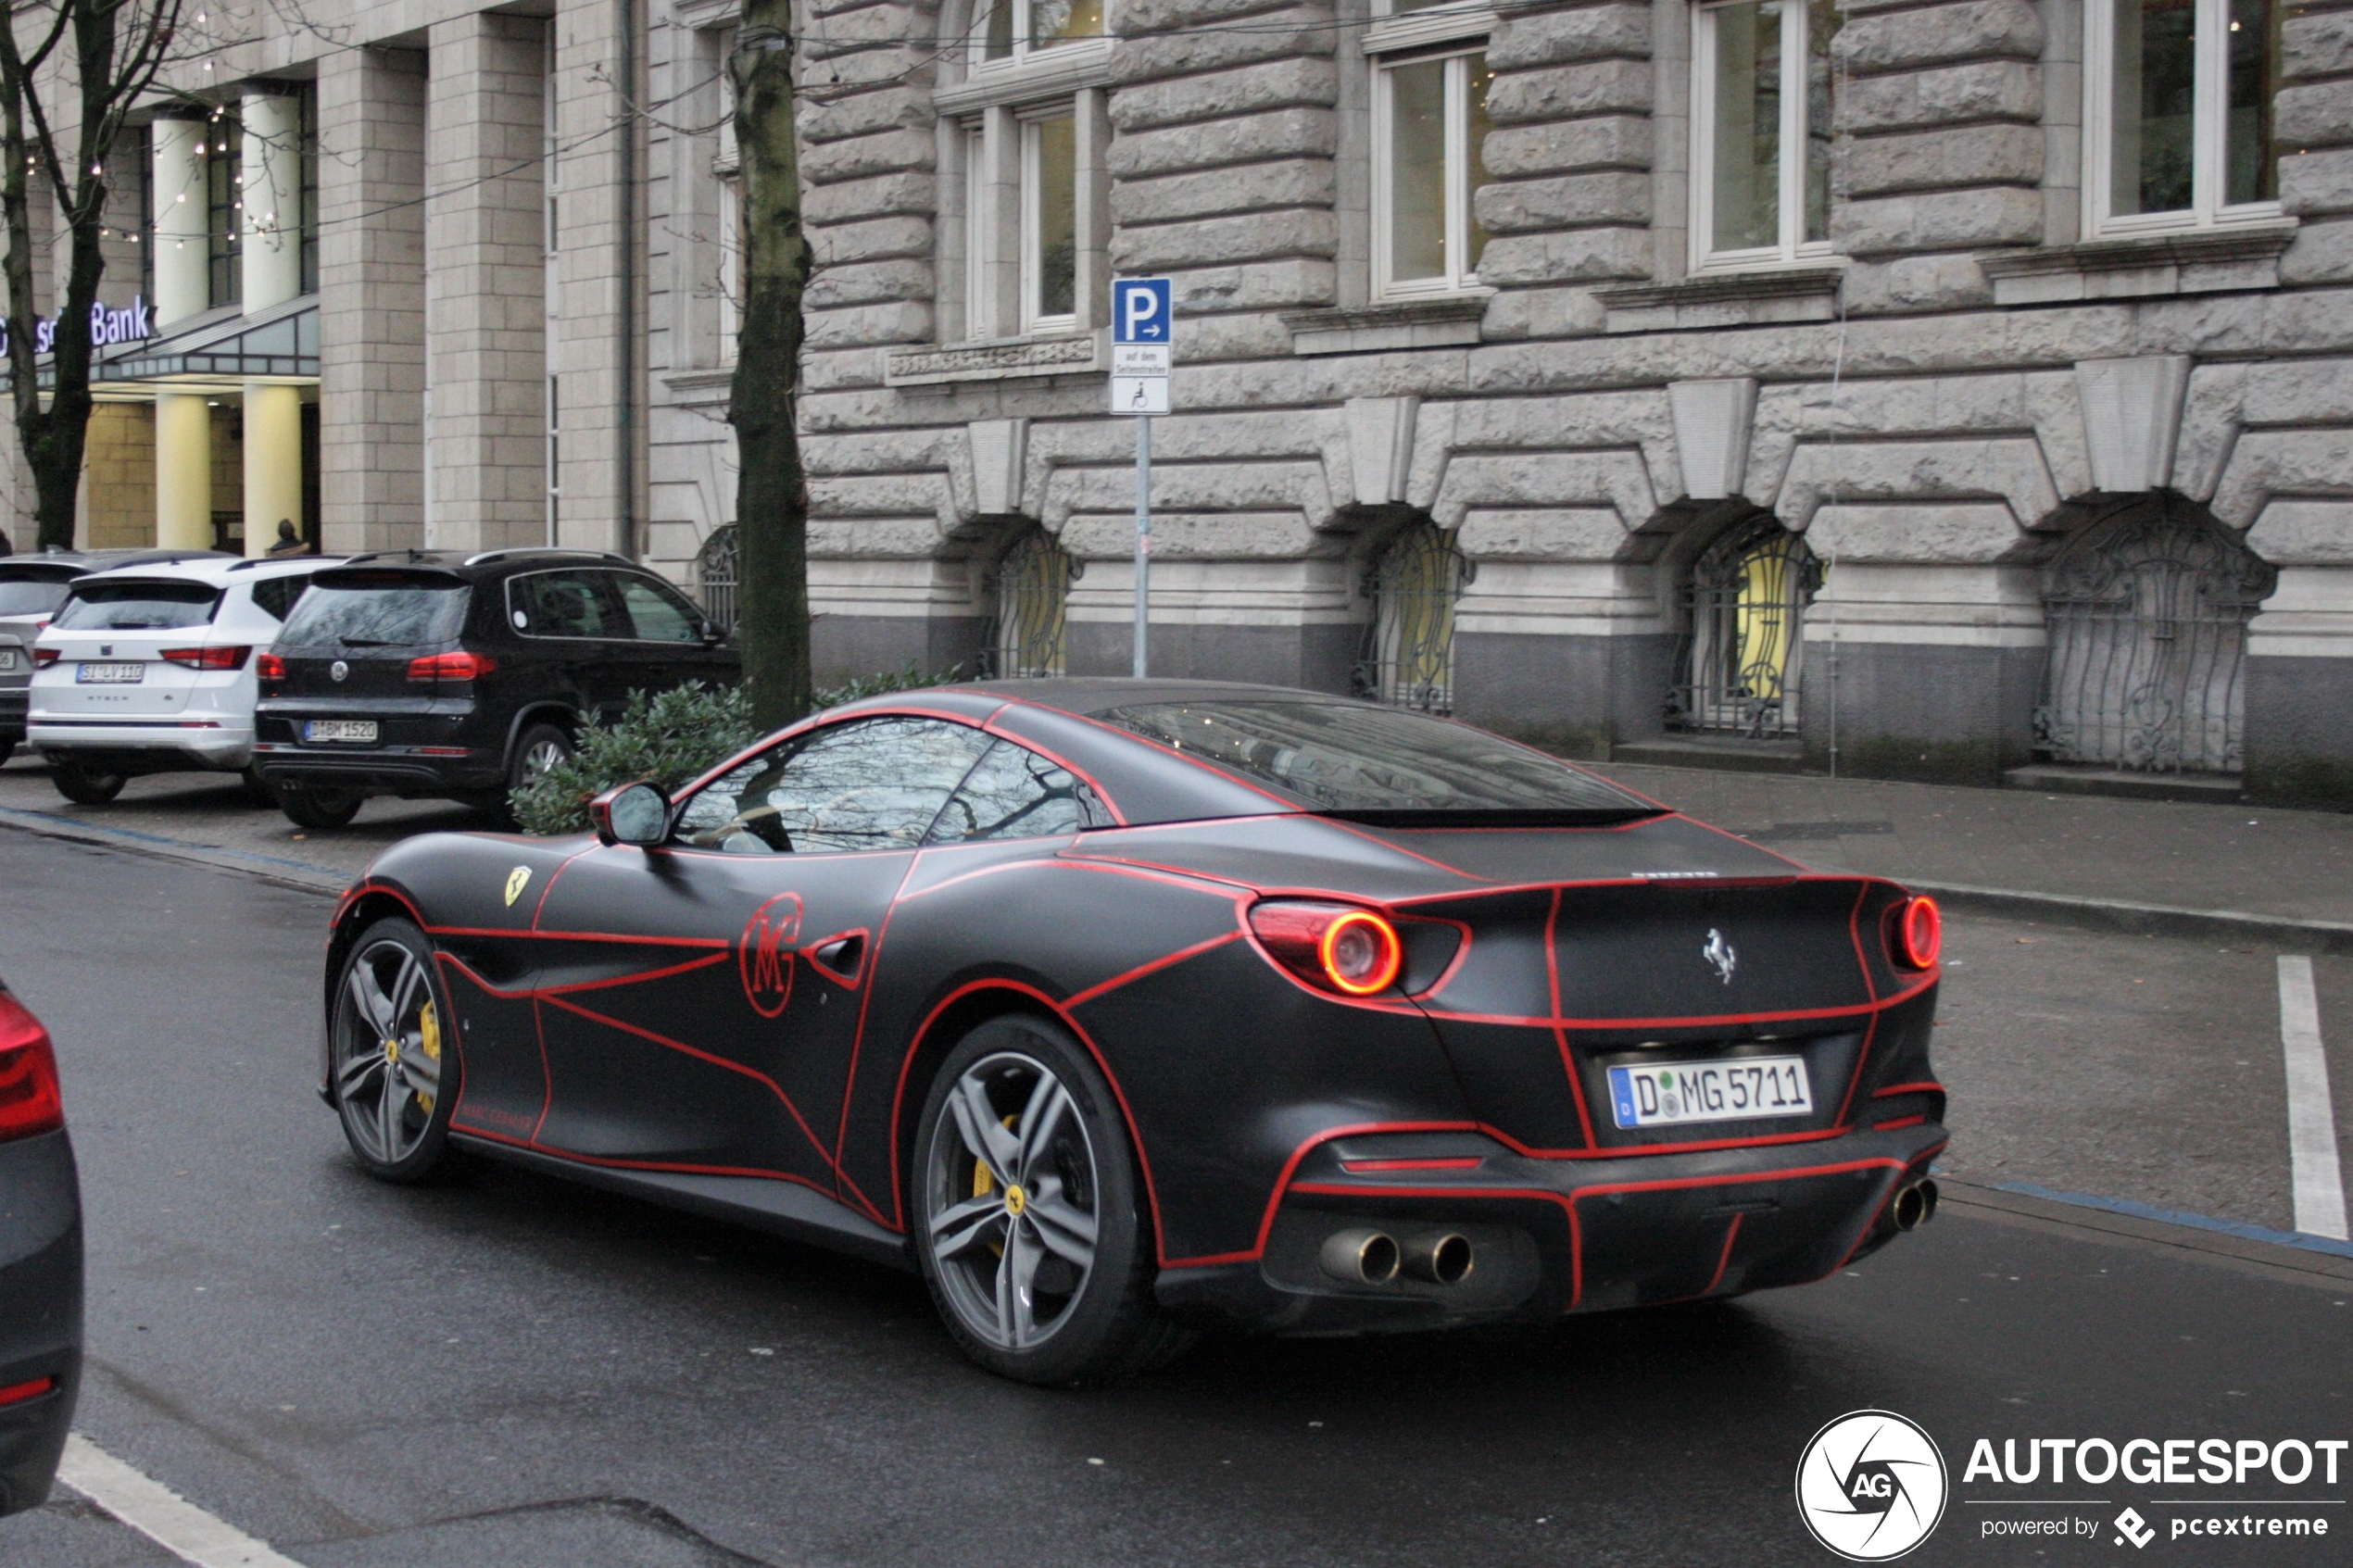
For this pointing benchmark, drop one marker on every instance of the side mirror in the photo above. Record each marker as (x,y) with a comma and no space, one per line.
(635,813)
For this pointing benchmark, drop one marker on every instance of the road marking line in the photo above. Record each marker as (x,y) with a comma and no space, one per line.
(159,1512)
(2311,1114)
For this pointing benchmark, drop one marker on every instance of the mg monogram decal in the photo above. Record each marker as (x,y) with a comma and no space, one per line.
(765,954)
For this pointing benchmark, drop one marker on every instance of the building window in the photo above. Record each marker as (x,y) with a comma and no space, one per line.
(1032,584)
(308,162)
(1429,133)
(716,574)
(2180,131)
(1745,608)
(727,170)
(1036,230)
(1761,114)
(1009,32)
(223,150)
(1409,648)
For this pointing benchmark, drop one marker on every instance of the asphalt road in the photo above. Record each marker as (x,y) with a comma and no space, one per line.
(509,1371)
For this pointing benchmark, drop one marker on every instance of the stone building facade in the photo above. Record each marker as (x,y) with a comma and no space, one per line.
(1943,387)
(1956,384)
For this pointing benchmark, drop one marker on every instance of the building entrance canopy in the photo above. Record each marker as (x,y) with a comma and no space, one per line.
(280,341)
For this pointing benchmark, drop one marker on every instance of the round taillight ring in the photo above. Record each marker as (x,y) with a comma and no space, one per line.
(1920,933)
(1360,953)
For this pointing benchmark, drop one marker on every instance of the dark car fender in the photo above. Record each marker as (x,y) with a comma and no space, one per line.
(1223,1064)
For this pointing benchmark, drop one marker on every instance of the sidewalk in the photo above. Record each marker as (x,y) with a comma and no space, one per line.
(1983,846)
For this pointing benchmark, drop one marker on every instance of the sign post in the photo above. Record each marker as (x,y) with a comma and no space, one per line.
(1141,322)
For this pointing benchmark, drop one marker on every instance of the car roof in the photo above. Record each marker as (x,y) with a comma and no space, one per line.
(53,565)
(483,564)
(220,571)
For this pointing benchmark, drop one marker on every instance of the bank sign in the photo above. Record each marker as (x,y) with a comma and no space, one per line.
(107,327)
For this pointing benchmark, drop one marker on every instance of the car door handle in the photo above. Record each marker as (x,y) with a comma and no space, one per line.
(842,955)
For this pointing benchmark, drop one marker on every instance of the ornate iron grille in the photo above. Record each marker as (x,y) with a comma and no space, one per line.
(2146,668)
(1745,613)
(1032,585)
(717,571)
(1409,648)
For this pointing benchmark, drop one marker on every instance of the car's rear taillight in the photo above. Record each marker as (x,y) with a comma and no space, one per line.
(44,658)
(459,666)
(29,1099)
(1337,946)
(270,667)
(1916,932)
(207,658)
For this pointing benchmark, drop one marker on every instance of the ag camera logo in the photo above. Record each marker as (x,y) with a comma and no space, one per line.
(1872,1486)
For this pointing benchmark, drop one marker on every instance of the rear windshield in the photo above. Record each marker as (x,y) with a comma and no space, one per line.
(377,609)
(1378,763)
(29,596)
(137,607)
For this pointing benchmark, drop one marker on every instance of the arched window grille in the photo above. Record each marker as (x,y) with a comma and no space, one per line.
(1032,582)
(717,571)
(2146,612)
(1409,649)
(1744,611)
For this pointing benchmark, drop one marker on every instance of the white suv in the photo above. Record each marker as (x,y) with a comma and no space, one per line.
(150,670)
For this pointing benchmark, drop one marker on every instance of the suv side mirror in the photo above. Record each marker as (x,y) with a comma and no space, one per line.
(635,813)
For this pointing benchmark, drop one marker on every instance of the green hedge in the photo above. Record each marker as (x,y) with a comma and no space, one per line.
(669,738)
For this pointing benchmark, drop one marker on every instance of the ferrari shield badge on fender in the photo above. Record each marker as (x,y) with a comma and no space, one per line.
(1720,953)
(517,880)
(764,957)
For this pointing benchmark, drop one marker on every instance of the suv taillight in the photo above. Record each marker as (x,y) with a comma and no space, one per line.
(44,658)
(459,666)
(270,667)
(207,658)
(29,1099)
(1335,946)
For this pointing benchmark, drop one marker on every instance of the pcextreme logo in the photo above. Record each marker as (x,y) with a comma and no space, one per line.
(1872,1486)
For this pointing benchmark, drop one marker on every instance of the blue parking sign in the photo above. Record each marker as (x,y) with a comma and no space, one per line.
(1140,310)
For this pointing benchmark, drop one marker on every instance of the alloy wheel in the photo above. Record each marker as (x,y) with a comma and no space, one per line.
(538,760)
(387,1051)
(1011,1201)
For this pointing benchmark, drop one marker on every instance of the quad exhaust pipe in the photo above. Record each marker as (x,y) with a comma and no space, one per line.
(1364,1256)
(1915,1206)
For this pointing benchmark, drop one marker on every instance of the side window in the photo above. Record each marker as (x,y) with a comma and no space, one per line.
(872,783)
(561,603)
(1014,793)
(276,595)
(657,614)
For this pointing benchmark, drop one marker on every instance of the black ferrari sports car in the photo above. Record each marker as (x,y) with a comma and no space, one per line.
(1123,1007)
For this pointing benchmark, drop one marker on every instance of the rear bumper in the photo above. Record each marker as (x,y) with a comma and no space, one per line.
(40,1312)
(188,742)
(399,770)
(1550,1236)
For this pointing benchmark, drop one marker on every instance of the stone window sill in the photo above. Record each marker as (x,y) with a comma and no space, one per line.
(710,385)
(2186,261)
(1056,74)
(1405,323)
(997,359)
(693,14)
(1726,300)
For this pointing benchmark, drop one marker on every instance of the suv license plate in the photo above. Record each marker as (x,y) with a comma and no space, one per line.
(109,674)
(1744,1088)
(361,730)
(8,659)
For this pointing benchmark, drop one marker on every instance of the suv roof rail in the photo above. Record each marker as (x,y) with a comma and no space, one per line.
(412,556)
(545,550)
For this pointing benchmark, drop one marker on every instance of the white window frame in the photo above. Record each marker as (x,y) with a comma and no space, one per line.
(1792,249)
(727,170)
(980,230)
(1033,321)
(2208,134)
(1023,52)
(1455,34)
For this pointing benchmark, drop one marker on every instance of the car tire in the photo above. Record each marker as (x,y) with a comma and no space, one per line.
(393,1071)
(258,791)
(85,785)
(538,749)
(1053,1161)
(8,749)
(318,806)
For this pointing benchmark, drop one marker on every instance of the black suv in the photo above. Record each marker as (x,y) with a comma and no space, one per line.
(422,673)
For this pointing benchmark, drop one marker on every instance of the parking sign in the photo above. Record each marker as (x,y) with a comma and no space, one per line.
(1140,310)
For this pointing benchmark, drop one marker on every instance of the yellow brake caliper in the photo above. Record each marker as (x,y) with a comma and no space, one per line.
(429,1038)
(983,1184)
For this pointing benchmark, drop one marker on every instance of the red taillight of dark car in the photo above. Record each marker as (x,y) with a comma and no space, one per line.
(269,669)
(459,666)
(207,658)
(1337,947)
(1916,932)
(29,1103)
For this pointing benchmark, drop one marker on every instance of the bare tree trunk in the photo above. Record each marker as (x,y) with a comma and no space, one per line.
(107,73)
(772,502)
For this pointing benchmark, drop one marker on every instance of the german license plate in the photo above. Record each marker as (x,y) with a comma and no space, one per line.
(1670,1094)
(109,674)
(8,659)
(361,730)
